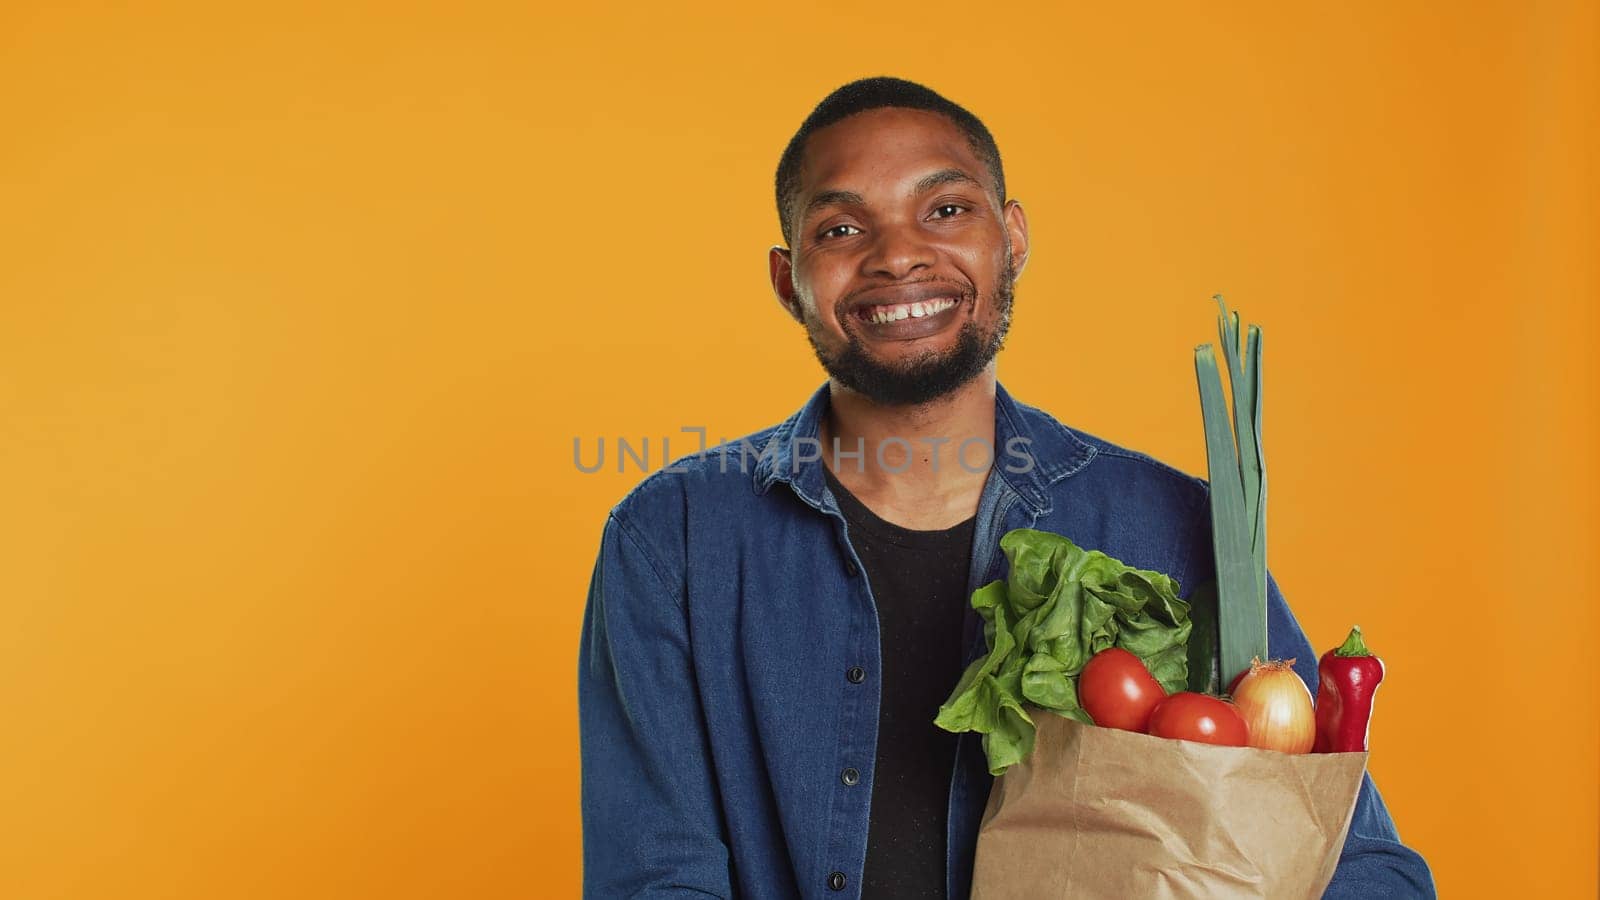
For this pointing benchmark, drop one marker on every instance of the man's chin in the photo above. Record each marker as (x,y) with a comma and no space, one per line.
(908,392)
(919,379)
(910,359)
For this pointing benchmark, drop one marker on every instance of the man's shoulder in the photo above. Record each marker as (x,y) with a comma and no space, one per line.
(724,472)
(716,484)
(1119,465)
(1143,465)
(1136,507)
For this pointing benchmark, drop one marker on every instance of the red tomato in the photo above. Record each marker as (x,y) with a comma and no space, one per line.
(1117,691)
(1189,716)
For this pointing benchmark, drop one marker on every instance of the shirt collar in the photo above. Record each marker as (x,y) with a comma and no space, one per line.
(1032,450)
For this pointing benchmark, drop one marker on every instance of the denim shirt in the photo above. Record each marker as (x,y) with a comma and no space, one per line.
(729,666)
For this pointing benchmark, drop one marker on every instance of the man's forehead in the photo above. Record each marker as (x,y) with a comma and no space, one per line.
(881,147)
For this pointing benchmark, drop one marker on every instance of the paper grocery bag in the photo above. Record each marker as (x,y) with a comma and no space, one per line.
(1099,812)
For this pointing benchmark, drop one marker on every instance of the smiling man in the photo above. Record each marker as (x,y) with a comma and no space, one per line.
(772,624)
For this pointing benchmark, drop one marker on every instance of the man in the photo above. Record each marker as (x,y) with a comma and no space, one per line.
(769,634)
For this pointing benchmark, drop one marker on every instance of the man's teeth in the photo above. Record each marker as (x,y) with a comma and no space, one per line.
(884,314)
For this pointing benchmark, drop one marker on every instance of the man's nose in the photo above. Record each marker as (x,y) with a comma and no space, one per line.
(898,251)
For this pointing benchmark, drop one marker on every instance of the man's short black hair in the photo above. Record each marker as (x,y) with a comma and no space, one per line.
(876,93)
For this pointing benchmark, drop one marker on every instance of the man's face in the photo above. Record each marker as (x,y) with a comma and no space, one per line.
(904,261)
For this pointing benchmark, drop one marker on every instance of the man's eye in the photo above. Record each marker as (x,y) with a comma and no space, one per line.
(952,206)
(830,232)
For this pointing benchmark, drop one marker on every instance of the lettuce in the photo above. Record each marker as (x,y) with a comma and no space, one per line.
(1059,606)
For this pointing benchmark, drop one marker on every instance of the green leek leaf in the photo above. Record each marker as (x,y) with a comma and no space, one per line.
(1242,620)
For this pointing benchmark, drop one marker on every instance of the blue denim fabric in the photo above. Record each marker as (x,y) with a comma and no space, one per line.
(727,608)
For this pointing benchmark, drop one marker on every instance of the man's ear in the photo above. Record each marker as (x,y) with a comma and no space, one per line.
(1016,225)
(781,267)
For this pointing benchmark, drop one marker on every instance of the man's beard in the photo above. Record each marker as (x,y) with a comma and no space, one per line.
(929,375)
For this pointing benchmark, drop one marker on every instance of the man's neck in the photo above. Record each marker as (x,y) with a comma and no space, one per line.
(922,467)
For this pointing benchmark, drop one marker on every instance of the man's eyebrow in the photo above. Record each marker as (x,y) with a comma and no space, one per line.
(946,176)
(830,198)
(928,183)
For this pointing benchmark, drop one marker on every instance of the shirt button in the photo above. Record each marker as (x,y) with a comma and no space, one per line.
(850,777)
(836,881)
(850,568)
(855,674)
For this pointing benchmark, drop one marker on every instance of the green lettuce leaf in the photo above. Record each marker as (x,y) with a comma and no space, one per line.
(1057,608)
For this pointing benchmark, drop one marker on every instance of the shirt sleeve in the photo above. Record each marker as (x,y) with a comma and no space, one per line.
(651,821)
(1373,863)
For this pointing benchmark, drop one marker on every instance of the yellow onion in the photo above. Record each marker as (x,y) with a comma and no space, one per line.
(1276,705)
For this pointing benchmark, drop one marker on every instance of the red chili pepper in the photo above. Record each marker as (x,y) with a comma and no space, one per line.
(1349,677)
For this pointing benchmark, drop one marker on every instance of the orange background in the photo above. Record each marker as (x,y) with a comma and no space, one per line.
(301,310)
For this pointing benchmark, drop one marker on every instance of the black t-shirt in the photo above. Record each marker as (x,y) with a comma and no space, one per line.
(919,583)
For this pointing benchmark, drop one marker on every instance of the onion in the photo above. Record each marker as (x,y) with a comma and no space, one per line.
(1276,705)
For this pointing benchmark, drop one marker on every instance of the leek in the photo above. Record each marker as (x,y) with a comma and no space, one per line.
(1237,472)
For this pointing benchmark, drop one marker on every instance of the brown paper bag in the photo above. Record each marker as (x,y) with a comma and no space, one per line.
(1098,812)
